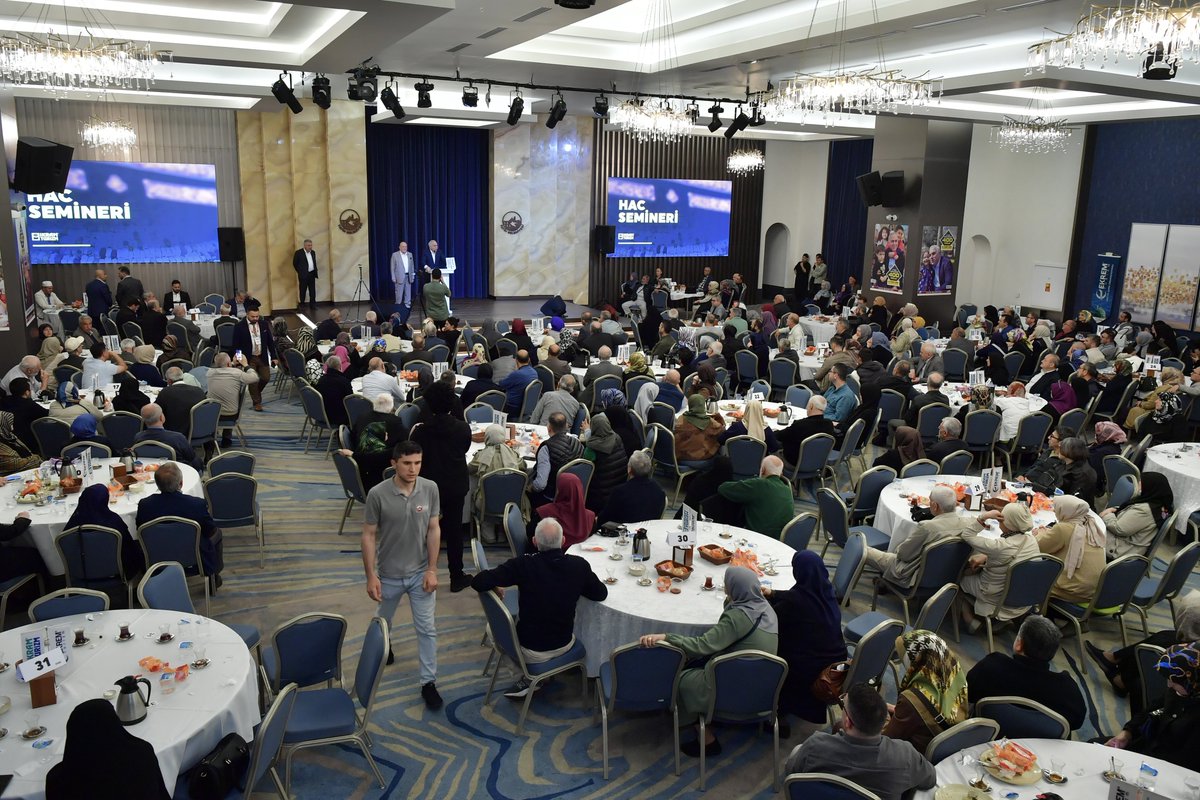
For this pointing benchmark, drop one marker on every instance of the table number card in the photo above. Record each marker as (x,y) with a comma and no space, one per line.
(688,523)
(846,311)
(623,352)
(438,369)
(975,334)
(86,463)
(31,645)
(499,418)
(113,343)
(41,665)
(759,396)
(1123,790)
(1153,363)
(537,325)
(977,377)
(1017,310)
(821,347)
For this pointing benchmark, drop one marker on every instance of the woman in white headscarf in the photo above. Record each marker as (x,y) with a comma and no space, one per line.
(989,563)
(496,454)
(902,344)
(1078,540)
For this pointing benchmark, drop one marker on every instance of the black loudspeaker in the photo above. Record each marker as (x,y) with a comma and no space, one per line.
(232,242)
(893,190)
(42,165)
(606,239)
(870,187)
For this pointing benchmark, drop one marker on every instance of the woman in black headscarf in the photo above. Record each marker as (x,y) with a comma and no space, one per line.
(445,441)
(1163,343)
(93,509)
(130,396)
(102,760)
(1130,529)
(613,403)
(992,315)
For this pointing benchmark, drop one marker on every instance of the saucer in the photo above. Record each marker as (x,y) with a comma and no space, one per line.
(4,667)
(33,733)
(645,581)
(610,581)
(1110,776)
(161,640)
(201,663)
(725,535)
(80,644)
(128,638)
(3,732)
(615,557)
(771,572)
(708,588)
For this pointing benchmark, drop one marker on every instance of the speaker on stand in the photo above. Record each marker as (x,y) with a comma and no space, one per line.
(232,244)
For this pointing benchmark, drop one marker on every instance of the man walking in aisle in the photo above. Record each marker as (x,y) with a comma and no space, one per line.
(252,338)
(304,261)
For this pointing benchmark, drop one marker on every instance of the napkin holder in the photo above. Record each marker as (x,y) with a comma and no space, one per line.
(682,555)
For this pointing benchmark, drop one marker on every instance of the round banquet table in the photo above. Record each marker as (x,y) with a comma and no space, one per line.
(460,381)
(110,391)
(50,519)
(1084,765)
(205,323)
(725,406)
(819,328)
(632,610)
(182,726)
(1180,463)
(893,515)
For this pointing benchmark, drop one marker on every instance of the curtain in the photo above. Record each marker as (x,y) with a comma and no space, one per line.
(844,239)
(428,182)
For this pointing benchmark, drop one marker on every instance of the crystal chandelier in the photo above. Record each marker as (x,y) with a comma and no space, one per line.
(107,135)
(1169,33)
(1038,132)
(745,162)
(840,90)
(655,118)
(73,53)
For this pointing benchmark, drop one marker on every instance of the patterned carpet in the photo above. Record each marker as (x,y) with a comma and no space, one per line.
(470,750)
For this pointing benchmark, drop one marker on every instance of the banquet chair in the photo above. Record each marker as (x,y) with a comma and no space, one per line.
(870,485)
(929,419)
(164,587)
(760,386)
(1153,590)
(1014,362)
(507,644)
(968,733)
(549,384)
(931,617)
(1122,491)
(1073,419)
(811,310)
(233,502)
(660,414)
(634,387)
(920,468)
(1164,527)
(410,415)
(315,418)
(824,786)
(743,689)
(981,432)
(177,540)
(67,602)
(665,461)
(1022,718)
(480,413)
(840,458)
(264,749)
(954,361)
(1032,431)
(294,360)
(10,586)
(745,456)
(152,450)
(798,532)
(514,528)
(202,430)
(471,371)
(225,338)
(581,416)
(498,489)
(783,373)
(214,299)
(506,347)
(891,406)
(746,365)
(941,563)
(77,379)
(204,357)
(52,435)
(1028,583)
(511,598)
(533,393)
(1137,452)
(121,428)
(74,451)
(494,399)
(328,716)
(69,319)
(581,468)
(1115,467)
(836,520)
(1118,583)
(957,463)
(232,461)
(872,655)
(798,396)
(639,679)
(849,568)
(1151,684)
(306,650)
(1172,362)
(356,405)
(352,485)
(91,555)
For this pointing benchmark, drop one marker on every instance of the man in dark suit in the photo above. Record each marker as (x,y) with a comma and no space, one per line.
(127,313)
(128,288)
(177,401)
(252,336)
(330,327)
(431,259)
(153,431)
(638,498)
(304,261)
(88,330)
(932,394)
(418,352)
(813,423)
(99,296)
(170,501)
(177,295)
(239,303)
(482,382)
(154,323)
(592,340)
(949,440)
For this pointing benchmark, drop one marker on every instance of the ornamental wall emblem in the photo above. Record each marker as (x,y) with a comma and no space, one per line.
(350,222)
(511,222)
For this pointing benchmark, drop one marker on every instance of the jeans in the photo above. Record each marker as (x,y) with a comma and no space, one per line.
(423,605)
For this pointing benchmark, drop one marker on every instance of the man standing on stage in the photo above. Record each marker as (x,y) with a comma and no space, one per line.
(404,276)
(305,264)
(431,260)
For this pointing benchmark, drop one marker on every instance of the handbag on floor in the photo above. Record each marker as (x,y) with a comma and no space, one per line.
(219,772)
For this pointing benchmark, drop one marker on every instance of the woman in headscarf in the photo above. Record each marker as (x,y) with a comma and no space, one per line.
(1084,322)
(445,440)
(1077,539)
(1077,477)
(753,424)
(810,635)
(93,509)
(1171,380)
(172,349)
(548,339)
(613,404)
(307,347)
(933,691)
(1167,422)
(102,760)
(1062,399)
(878,314)
(14,455)
(518,335)
(1120,665)
(1042,341)
(824,296)
(1141,344)
(906,449)
(704,381)
(608,453)
(760,345)
(1163,341)
(476,357)
(770,321)
(747,623)
(1109,441)
(143,367)
(342,348)
(50,354)
(130,396)
(569,508)
(991,358)
(1131,527)
(495,455)
(982,399)
(490,335)
(992,315)
(989,563)
(637,366)
(84,429)
(1171,731)
(69,404)
(697,435)
(905,336)
(280,334)
(45,331)
(881,347)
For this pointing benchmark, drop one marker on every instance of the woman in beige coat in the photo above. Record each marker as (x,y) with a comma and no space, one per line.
(1077,539)
(902,344)
(989,564)
(1132,527)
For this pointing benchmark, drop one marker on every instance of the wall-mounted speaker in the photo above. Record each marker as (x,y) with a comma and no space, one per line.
(870,188)
(232,242)
(606,239)
(41,166)
(892,191)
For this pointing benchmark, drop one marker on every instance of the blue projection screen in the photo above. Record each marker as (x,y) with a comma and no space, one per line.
(115,211)
(669,218)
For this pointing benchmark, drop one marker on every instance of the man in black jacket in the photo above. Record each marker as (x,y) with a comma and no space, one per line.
(154,323)
(933,394)
(252,336)
(551,583)
(25,410)
(638,498)
(949,440)
(128,288)
(794,435)
(482,382)
(177,401)
(304,261)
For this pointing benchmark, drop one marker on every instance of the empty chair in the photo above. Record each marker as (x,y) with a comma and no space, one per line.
(514,529)
(798,396)
(954,362)
(920,468)
(1032,431)
(798,532)
(1114,592)
(120,428)
(873,654)
(836,519)
(74,451)
(639,679)
(164,587)
(824,786)
(176,540)
(743,689)
(957,463)
(352,485)
(981,432)
(811,460)
(233,502)
(232,461)
(1153,590)
(66,603)
(52,435)
(968,733)
(306,650)
(849,568)
(870,485)
(931,617)
(1022,718)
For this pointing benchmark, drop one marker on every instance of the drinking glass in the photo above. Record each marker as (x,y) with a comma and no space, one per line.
(166,683)
(1057,765)
(199,653)
(612,573)
(32,721)
(164,630)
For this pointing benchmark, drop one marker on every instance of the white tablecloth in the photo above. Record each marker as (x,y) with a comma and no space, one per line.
(725,406)
(205,323)
(363,345)
(182,726)
(819,330)
(632,610)
(110,391)
(1084,764)
(50,520)
(1182,468)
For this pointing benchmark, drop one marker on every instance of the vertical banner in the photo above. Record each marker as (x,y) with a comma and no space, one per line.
(1101,303)
(1143,267)
(26,288)
(887,261)
(1180,277)
(939,257)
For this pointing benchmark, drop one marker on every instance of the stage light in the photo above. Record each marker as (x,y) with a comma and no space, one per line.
(365,85)
(515,109)
(391,102)
(600,107)
(284,94)
(738,125)
(423,89)
(757,118)
(716,112)
(322,93)
(470,96)
(693,113)
(558,110)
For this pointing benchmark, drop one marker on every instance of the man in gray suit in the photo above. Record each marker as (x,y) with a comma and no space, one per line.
(404,276)
(901,566)
(929,362)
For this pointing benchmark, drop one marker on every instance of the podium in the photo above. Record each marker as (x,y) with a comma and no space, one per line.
(447,271)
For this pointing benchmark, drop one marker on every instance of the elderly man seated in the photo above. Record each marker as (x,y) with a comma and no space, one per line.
(170,501)
(929,362)
(901,566)
(762,504)
(639,498)
(30,367)
(377,381)
(561,399)
(949,440)
(153,431)
(551,583)
(227,379)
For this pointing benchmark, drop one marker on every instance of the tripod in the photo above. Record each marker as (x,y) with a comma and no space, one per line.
(361,292)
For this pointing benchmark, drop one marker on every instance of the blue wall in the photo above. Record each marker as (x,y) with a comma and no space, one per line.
(1136,172)
(844,241)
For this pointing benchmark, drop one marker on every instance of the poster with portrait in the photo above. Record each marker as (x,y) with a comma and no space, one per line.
(1143,267)
(939,258)
(1180,277)
(887,258)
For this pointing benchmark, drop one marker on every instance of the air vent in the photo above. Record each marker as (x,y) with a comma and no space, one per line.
(1029,4)
(946,21)
(458,47)
(531,14)
(491,33)
(871,38)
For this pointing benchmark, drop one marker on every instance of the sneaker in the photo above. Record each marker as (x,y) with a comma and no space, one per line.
(519,690)
(429,694)
(459,582)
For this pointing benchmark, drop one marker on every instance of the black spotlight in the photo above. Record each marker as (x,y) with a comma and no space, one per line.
(693,114)
(423,89)
(738,125)
(470,96)
(284,94)
(558,110)
(716,112)
(322,93)
(1159,65)
(365,85)
(600,107)
(515,109)
(391,102)
(757,118)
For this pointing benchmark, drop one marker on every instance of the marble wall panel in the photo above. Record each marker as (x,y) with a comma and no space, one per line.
(254,206)
(347,164)
(510,192)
